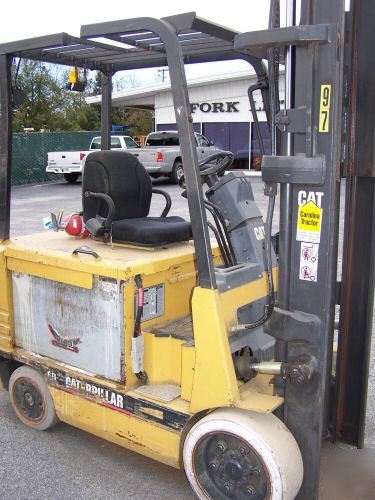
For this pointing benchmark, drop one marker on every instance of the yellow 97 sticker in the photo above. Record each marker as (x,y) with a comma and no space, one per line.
(325,104)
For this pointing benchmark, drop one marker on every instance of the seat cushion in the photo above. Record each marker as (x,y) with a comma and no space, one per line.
(151,231)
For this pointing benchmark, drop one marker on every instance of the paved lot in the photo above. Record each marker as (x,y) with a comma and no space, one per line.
(66,463)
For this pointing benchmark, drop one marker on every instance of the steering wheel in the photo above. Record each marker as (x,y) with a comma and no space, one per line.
(220,167)
(211,171)
(208,170)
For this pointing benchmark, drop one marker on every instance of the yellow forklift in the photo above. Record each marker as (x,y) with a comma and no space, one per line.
(150,333)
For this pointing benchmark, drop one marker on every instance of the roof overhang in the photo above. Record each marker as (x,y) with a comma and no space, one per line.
(144,97)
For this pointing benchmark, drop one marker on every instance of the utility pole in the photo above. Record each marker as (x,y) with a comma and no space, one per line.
(163,72)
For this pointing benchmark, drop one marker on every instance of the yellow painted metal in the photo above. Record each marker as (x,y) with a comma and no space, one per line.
(6,306)
(187,375)
(68,276)
(162,359)
(263,383)
(177,292)
(131,432)
(215,382)
(162,356)
(254,396)
(118,262)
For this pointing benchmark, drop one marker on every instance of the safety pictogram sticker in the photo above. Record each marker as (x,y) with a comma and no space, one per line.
(308,267)
(309,222)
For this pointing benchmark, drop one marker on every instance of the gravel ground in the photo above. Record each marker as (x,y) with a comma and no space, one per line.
(66,463)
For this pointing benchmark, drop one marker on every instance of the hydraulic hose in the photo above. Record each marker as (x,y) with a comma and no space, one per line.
(220,226)
(140,303)
(220,216)
(142,375)
(220,243)
(261,84)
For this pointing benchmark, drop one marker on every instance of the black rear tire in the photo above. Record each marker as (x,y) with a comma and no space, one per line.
(71,178)
(177,172)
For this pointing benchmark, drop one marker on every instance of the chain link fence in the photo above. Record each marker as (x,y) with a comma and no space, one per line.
(29,157)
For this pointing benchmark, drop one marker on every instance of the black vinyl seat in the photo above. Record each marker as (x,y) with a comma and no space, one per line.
(116,200)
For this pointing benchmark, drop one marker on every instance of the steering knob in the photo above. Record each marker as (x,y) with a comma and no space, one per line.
(181,181)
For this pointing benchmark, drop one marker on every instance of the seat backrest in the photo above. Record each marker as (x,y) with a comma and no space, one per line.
(121,176)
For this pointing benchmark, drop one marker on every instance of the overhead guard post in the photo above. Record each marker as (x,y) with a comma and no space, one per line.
(5,144)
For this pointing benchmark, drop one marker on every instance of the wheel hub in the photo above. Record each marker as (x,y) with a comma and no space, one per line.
(234,470)
(28,399)
(226,467)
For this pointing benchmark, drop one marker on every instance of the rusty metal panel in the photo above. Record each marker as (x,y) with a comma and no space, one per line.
(81,327)
(358,262)
(359,88)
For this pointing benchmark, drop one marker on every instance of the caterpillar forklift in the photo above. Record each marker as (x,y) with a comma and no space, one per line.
(207,344)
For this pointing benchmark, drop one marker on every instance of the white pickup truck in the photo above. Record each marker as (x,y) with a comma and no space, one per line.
(70,163)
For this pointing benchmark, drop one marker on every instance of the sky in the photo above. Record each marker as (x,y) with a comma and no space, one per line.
(29,18)
(25,19)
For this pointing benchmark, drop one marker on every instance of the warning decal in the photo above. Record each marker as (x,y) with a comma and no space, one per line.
(308,267)
(309,222)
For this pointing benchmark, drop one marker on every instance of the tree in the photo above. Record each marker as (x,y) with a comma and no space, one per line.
(42,97)
(139,122)
(48,105)
(125,80)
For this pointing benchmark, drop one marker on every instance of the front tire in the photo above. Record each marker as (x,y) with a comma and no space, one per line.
(31,399)
(177,172)
(239,454)
(71,178)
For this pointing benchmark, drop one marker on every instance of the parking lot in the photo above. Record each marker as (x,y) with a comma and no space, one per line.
(66,463)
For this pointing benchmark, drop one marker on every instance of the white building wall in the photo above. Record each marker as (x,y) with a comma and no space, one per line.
(235,91)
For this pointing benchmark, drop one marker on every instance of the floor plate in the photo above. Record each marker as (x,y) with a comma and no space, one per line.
(163,392)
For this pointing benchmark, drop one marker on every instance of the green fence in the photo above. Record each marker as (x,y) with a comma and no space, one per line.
(29,159)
